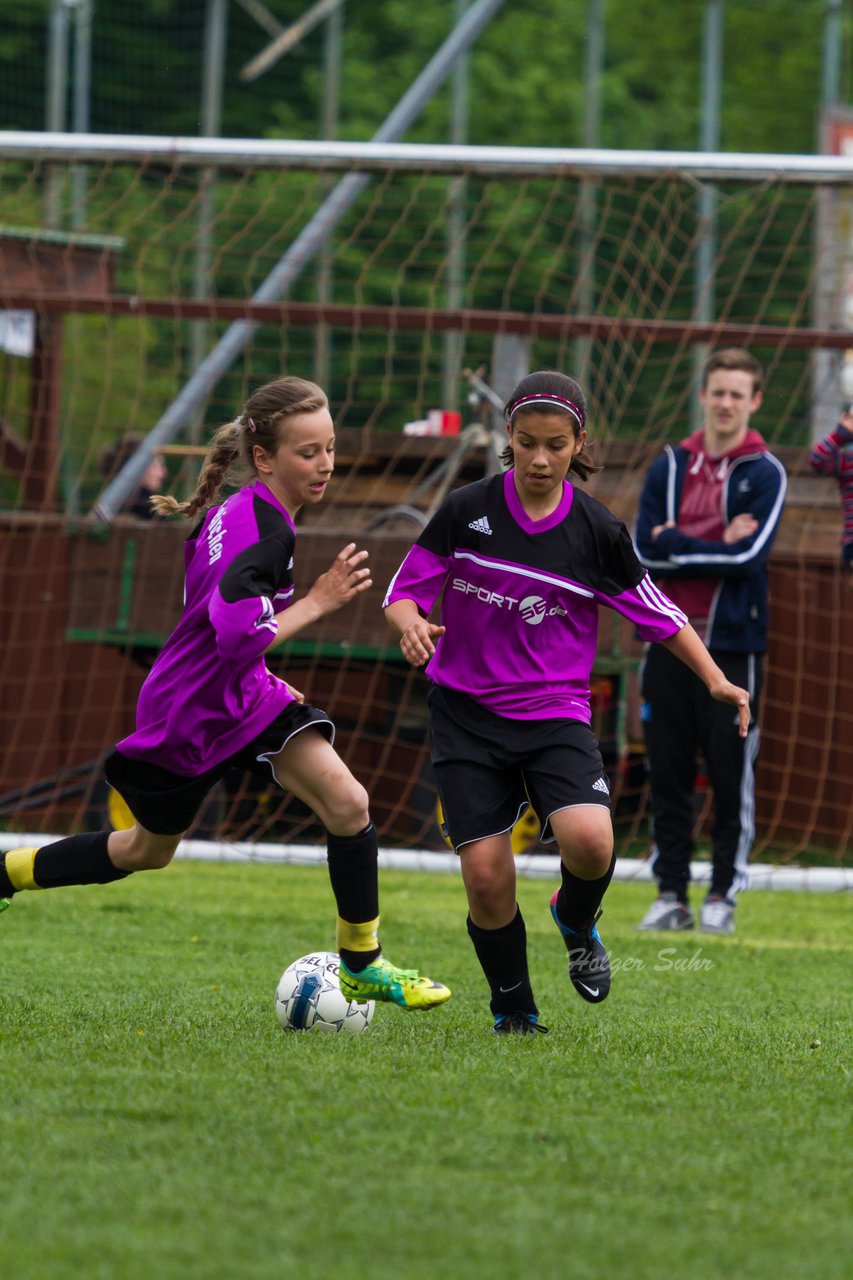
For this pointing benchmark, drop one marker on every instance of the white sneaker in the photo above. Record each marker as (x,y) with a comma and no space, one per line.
(666,913)
(717,916)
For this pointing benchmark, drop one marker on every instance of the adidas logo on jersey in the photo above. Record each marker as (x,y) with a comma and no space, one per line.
(601,785)
(480,526)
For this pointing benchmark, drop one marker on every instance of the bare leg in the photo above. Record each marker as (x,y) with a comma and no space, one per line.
(311,769)
(488,873)
(139,850)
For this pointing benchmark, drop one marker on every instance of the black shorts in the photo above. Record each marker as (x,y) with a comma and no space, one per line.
(489,768)
(166,803)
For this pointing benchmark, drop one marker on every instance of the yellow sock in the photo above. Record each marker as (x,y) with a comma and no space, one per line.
(19,868)
(357,937)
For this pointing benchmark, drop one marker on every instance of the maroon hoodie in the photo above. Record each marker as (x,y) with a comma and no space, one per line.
(701,515)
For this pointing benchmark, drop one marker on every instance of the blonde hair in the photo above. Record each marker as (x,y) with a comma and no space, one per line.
(230,454)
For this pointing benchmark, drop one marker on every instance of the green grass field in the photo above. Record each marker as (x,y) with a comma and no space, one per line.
(156,1123)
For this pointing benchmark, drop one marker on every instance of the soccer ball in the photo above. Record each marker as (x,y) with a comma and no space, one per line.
(309,997)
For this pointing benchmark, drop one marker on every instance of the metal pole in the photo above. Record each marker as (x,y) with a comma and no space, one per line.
(303,249)
(80,123)
(453,339)
(290,37)
(56,102)
(709,140)
(832,53)
(332,49)
(832,371)
(83,16)
(215,27)
(588,199)
(262,16)
(421,157)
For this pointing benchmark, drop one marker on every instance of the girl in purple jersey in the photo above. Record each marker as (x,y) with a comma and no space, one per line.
(523,562)
(210,703)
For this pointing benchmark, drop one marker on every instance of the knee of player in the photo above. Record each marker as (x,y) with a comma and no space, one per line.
(155,860)
(486,890)
(139,850)
(347,808)
(589,852)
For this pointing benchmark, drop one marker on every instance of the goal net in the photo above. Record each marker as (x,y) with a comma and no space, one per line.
(415,284)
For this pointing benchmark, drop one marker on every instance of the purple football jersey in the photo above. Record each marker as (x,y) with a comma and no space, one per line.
(521,597)
(210,692)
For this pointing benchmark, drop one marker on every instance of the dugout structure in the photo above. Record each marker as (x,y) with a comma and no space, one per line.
(446,263)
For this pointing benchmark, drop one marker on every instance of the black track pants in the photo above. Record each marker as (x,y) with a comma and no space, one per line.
(680,721)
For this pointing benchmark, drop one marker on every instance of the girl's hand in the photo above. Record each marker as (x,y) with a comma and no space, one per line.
(417,642)
(346,578)
(728,692)
(294,693)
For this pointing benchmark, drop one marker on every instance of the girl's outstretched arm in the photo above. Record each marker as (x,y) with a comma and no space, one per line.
(346,578)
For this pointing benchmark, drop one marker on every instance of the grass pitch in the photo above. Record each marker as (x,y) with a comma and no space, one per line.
(157,1124)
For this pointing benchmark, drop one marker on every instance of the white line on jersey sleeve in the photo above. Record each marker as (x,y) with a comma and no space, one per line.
(658,602)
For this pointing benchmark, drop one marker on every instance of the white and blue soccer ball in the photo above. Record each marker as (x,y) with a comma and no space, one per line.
(309,997)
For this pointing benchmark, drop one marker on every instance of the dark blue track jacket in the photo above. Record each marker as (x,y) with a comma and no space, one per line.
(755,483)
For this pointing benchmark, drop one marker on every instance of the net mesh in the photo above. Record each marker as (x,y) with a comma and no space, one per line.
(431,291)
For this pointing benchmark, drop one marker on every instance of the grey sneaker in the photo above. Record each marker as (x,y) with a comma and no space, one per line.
(666,913)
(717,915)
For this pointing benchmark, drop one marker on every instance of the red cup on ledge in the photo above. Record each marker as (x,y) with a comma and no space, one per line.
(444,422)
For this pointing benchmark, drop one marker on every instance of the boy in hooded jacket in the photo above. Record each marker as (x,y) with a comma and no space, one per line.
(708,514)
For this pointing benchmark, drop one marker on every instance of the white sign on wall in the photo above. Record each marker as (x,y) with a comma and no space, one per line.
(17,332)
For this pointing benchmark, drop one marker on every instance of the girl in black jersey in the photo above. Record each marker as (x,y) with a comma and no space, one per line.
(523,561)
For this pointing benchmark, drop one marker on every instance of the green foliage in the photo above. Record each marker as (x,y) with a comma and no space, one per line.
(523,239)
(527,71)
(156,1121)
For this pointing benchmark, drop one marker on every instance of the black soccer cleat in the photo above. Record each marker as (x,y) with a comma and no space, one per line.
(589,963)
(518,1023)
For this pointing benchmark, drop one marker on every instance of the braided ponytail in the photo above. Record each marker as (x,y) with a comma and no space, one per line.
(223,453)
(259,423)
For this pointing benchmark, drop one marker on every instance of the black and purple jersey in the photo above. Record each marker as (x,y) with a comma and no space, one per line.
(521,596)
(209,693)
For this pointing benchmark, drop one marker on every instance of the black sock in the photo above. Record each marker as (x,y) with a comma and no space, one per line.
(503,957)
(79,859)
(6,886)
(578,900)
(354,875)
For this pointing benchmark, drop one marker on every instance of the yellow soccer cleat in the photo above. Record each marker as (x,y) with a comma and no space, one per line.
(383,981)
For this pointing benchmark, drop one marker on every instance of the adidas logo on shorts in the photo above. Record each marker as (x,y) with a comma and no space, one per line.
(601,785)
(480,526)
